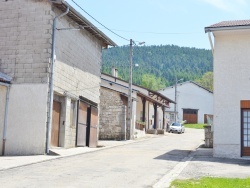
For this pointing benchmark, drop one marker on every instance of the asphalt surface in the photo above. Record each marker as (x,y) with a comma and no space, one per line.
(151,163)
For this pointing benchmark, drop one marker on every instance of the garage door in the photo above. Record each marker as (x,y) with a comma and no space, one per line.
(190,115)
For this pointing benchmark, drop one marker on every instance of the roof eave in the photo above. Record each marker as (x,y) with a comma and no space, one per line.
(90,27)
(224,28)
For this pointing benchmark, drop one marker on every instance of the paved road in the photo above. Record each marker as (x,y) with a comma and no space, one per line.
(151,163)
(140,164)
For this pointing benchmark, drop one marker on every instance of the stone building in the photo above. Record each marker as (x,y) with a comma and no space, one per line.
(26,30)
(148,110)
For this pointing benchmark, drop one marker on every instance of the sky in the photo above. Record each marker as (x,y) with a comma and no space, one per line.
(161,22)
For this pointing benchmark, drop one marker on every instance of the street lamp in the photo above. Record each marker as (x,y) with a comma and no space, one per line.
(175,94)
(130,100)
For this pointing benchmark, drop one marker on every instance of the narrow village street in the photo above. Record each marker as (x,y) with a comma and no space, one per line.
(140,164)
(152,162)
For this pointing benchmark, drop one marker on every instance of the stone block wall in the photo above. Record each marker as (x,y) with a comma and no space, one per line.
(208,136)
(25,40)
(112,116)
(78,61)
(25,52)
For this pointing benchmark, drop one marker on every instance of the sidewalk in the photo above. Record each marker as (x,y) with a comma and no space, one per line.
(8,162)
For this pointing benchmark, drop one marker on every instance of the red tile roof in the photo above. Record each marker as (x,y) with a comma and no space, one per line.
(228,24)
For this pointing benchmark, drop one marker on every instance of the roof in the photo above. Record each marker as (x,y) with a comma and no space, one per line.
(150,91)
(192,83)
(5,78)
(88,26)
(229,25)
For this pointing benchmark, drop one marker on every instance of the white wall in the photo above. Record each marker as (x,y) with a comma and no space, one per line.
(189,95)
(231,84)
(26,126)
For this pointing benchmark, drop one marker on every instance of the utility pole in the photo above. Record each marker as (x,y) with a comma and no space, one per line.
(130,101)
(175,98)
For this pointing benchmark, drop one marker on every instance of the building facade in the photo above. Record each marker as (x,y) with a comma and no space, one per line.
(26,45)
(148,110)
(193,102)
(231,88)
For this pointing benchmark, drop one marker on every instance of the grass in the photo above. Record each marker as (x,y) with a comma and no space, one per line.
(208,182)
(194,126)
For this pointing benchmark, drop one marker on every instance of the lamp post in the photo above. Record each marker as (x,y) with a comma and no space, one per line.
(130,92)
(175,96)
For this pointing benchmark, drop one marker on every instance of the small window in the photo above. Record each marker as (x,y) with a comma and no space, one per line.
(189,111)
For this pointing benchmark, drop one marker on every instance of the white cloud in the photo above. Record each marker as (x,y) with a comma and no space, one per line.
(227,5)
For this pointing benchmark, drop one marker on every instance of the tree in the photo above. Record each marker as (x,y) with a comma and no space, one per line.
(151,82)
(206,81)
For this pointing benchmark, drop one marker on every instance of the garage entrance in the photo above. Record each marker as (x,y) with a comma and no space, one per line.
(190,115)
(87,123)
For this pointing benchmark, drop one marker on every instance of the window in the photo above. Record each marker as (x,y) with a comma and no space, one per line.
(189,111)
(171,117)
(246,127)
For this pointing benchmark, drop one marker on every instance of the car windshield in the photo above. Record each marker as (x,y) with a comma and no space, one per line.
(176,124)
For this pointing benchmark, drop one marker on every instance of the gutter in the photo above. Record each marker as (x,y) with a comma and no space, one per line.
(51,92)
(5,116)
(211,29)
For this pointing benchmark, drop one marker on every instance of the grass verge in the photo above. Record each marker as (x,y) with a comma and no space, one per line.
(208,182)
(194,126)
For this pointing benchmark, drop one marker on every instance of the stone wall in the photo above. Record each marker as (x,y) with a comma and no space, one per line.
(25,52)
(208,136)
(25,40)
(78,64)
(112,116)
(77,69)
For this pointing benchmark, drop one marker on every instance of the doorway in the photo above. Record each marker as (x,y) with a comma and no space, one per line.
(245,132)
(55,124)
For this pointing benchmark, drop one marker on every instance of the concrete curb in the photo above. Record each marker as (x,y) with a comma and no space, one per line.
(166,180)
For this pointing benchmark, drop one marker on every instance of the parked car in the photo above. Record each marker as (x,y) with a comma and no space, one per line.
(177,127)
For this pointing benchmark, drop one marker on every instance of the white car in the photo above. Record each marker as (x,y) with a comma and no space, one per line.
(177,127)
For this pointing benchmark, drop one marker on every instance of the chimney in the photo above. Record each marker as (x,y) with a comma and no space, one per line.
(114,72)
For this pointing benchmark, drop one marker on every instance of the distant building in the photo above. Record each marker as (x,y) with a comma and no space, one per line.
(193,102)
(148,110)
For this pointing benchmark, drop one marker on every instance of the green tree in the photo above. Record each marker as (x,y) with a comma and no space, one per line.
(151,82)
(206,81)
(164,61)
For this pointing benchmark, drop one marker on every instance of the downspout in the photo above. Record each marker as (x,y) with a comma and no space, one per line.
(211,42)
(51,92)
(5,117)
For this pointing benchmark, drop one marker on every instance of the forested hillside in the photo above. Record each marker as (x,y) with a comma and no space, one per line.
(164,62)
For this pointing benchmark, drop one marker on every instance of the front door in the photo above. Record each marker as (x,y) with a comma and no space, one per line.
(245,132)
(55,124)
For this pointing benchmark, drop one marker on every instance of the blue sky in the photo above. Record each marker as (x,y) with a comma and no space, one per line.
(156,22)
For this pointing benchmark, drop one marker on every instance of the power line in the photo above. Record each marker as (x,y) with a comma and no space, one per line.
(99,22)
